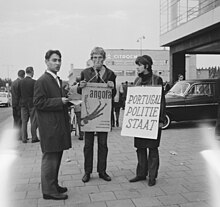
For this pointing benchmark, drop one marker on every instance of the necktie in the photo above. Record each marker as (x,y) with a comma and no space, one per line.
(98,76)
(58,81)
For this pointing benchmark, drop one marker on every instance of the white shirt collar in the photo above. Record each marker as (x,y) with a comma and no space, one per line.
(55,77)
(27,75)
(51,73)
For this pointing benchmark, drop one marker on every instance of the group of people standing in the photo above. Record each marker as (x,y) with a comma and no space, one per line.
(119,102)
(22,90)
(51,105)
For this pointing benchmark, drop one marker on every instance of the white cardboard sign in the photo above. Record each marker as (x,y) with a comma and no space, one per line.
(142,111)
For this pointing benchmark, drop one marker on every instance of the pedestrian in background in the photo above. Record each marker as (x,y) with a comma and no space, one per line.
(217,126)
(54,125)
(125,89)
(16,108)
(180,77)
(27,107)
(77,107)
(166,87)
(147,149)
(98,73)
(117,104)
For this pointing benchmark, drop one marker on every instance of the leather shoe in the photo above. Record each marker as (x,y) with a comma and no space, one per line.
(35,140)
(80,138)
(105,176)
(151,182)
(61,189)
(55,197)
(86,178)
(136,179)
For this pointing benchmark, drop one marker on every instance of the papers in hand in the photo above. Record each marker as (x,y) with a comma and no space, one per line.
(76,102)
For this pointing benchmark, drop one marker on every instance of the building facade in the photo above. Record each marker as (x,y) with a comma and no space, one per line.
(122,62)
(189,27)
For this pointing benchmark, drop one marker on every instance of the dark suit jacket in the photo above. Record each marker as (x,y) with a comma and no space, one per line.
(52,115)
(89,75)
(27,91)
(15,92)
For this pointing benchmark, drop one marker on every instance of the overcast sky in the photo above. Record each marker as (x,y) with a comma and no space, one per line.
(28,28)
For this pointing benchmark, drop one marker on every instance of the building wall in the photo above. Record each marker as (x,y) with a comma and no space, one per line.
(202,14)
(74,72)
(202,74)
(191,72)
(122,62)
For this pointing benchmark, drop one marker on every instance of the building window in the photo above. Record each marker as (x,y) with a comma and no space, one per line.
(119,72)
(130,73)
(173,13)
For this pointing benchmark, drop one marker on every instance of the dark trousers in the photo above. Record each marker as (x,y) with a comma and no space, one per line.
(102,151)
(16,111)
(148,164)
(50,166)
(217,127)
(117,107)
(78,120)
(26,113)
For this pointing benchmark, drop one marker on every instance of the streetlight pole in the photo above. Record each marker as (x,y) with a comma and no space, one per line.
(140,39)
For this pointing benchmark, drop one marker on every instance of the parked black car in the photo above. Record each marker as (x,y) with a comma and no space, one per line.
(191,100)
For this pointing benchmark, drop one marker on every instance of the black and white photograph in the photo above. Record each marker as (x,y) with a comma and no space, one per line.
(109,103)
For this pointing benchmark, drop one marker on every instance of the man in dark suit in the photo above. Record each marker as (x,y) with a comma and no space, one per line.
(98,73)
(27,106)
(54,125)
(16,102)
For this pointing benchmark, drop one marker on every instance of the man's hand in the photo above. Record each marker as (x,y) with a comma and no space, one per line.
(110,84)
(82,84)
(65,100)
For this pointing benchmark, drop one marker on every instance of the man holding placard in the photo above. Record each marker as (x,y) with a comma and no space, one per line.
(94,112)
(144,115)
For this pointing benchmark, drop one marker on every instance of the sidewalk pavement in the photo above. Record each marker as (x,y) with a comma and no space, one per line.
(183,179)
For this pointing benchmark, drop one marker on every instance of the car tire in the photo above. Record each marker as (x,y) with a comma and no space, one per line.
(167,122)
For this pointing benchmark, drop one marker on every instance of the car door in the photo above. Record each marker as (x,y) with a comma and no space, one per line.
(200,101)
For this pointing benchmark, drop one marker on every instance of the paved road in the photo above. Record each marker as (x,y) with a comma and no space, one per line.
(183,179)
(5,113)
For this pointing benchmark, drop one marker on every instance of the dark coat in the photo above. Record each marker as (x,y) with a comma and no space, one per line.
(27,91)
(151,80)
(52,115)
(15,93)
(89,75)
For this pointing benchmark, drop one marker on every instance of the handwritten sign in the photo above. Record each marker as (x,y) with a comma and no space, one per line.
(96,108)
(142,111)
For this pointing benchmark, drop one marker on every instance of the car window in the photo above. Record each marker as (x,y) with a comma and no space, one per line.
(179,88)
(2,95)
(203,89)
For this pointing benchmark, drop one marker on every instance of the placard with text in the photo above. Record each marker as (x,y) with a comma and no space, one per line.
(96,108)
(142,111)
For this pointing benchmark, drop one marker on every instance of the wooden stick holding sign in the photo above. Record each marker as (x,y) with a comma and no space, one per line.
(96,107)
(142,111)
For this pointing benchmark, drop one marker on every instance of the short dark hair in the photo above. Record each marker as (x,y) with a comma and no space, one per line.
(145,60)
(21,73)
(51,52)
(29,70)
